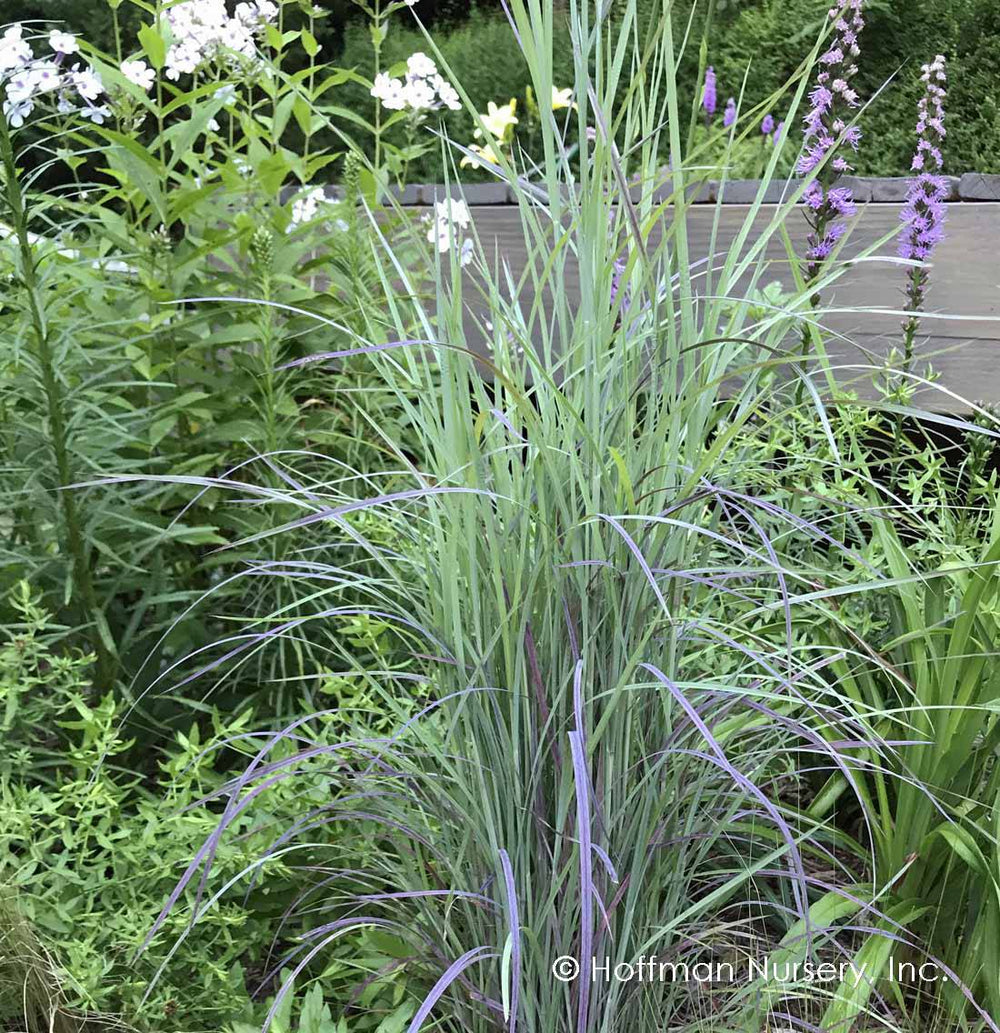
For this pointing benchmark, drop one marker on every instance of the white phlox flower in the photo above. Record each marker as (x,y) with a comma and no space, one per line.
(422,89)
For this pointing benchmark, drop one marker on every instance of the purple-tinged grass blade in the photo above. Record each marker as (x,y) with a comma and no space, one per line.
(514,924)
(722,761)
(606,860)
(346,353)
(581,780)
(637,553)
(454,970)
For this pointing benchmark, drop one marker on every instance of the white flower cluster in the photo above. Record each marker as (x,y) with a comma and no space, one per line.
(306,207)
(451,218)
(27,78)
(423,89)
(202,29)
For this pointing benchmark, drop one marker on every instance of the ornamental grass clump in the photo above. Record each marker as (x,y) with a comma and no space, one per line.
(610,629)
(923,216)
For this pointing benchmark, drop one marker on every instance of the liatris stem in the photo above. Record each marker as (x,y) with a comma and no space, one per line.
(916,286)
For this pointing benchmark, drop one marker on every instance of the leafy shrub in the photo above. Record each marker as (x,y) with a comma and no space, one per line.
(310,1012)
(113,374)
(90,849)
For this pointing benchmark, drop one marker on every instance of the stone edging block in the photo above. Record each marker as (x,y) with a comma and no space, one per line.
(973,186)
(976,186)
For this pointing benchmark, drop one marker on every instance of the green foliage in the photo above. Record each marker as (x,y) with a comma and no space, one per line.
(35,682)
(764,42)
(755,48)
(113,374)
(89,849)
(919,503)
(475,51)
(310,1013)
(765,622)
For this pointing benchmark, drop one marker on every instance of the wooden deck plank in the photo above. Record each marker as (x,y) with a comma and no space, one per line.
(965,281)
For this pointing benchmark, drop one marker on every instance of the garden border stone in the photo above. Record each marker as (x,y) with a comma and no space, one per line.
(977,186)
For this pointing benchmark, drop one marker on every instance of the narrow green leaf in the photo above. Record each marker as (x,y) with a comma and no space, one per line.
(153,45)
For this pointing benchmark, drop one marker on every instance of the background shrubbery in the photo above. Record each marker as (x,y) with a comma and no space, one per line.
(764,39)
(768,39)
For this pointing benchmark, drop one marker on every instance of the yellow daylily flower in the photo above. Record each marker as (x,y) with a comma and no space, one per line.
(485,153)
(499,120)
(562,98)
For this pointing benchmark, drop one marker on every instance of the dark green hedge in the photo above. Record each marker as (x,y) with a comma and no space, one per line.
(768,39)
(762,39)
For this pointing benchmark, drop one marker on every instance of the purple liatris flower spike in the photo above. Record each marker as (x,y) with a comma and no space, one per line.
(923,214)
(708,93)
(729,116)
(832,101)
(767,124)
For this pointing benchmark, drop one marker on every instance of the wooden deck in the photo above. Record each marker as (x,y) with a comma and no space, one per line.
(965,282)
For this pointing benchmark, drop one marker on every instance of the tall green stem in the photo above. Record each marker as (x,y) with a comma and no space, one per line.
(269,360)
(914,302)
(702,65)
(55,404)
(377,41)
(117,30)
